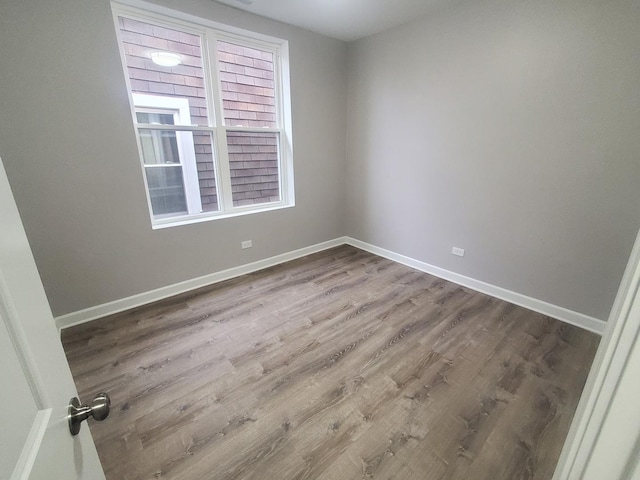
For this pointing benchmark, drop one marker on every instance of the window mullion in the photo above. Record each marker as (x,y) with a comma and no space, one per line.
(223,174)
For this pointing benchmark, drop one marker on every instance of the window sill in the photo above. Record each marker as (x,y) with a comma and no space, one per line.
(177,222)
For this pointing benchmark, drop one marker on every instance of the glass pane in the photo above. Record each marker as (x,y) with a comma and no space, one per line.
(203,146)
(159,146)
(192,150)
(166,189)
(154,118)
(247,79)
(141,42)
(253,160)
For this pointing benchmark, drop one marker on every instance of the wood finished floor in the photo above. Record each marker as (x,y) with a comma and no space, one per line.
(340,365)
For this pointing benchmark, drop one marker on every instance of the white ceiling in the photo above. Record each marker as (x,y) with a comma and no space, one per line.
(343,19)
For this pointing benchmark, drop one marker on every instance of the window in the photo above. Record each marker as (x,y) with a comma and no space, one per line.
(211,114)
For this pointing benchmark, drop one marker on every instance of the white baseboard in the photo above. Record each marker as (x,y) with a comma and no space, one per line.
(568,316)
(99,311)
(574,318)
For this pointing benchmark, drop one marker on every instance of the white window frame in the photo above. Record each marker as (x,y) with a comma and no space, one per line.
(210,32)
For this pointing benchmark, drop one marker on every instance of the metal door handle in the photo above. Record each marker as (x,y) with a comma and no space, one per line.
(99,410)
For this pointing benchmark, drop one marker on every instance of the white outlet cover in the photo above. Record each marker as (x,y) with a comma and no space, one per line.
(458,251)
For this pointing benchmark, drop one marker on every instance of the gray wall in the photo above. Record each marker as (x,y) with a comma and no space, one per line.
(507,128)
(510,129)
(67,142)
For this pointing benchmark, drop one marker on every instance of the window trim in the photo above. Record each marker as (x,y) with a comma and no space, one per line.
(211,31)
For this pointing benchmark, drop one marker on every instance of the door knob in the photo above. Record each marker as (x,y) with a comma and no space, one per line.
(99,410)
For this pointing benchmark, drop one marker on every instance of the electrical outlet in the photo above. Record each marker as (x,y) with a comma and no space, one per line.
(458,251)
(246,244)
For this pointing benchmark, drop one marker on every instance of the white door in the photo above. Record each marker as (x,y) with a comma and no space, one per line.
(615,452)
(604,439)
(36,383)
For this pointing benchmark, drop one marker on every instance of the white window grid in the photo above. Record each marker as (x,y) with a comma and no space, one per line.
(210,32)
